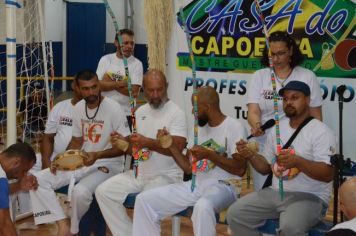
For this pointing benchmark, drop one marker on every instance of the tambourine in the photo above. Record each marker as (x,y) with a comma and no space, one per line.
(70,160)
(286,174)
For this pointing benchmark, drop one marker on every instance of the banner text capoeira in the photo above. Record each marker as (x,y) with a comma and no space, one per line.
(227,42)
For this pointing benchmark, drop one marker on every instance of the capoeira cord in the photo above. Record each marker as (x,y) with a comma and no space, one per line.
(129,85)
(195,96)
(275,94)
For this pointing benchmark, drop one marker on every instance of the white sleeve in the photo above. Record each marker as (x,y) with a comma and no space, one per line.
(316,99)
(102,67)
(120,123)
(324,145)
(178,126)
(53,120)
(254,89)
(77,123)
(269,150)
(136,73)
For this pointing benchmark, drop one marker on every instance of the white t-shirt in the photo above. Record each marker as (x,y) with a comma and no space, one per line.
(60,122)
(227,134)
(315,142)
(112,64)
(96,131)
(148,122)
(260,90)
(351,224)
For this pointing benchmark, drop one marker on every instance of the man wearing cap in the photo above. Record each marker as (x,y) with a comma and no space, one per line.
(307,193)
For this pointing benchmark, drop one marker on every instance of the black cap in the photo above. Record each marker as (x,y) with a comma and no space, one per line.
(296,86)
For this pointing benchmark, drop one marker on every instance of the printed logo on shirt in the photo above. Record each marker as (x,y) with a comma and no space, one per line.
(116,76)
(42,213)
(64,120)
(92,131)
(268,95)
(143,117)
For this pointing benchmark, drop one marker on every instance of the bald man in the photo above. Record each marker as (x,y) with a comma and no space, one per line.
(160,168)
(348,207)
(217,137)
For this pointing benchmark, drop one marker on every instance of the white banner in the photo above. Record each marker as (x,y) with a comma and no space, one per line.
(232,88)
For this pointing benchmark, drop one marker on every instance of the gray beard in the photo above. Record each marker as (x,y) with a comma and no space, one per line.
(159,106)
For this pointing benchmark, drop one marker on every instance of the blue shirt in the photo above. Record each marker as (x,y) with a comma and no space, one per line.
(4,190)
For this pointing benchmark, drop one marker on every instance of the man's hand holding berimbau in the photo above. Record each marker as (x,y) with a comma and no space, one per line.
(138,140)
(287,159)
(200,152)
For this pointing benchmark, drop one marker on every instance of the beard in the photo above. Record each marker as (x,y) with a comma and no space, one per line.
(157,102)
(290,111)
(92,98)
(203,120)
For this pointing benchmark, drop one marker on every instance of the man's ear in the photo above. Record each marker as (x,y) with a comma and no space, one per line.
(15,162)
(116,43)
(207,107)
(308,100)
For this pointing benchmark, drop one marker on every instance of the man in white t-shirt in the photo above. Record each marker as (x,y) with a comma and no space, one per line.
(307,193)
(160,168)
(15,162)
(58,132)
(111,72)
(95,117)
(217,136)
(260,92)
(348,207)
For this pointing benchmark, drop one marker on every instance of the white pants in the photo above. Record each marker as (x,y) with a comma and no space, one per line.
(208,198)
(112,193)
(46,207)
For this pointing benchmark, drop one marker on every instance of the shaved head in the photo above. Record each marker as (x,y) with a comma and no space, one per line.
(208,95)
(155,88)
(348,198)
(208,106)
(154,74)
